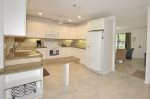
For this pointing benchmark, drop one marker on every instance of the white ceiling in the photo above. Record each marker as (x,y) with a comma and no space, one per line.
(129,13)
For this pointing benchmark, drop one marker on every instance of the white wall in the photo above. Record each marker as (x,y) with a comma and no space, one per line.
(138,37)
(147,77)
(1,33)
(1,47)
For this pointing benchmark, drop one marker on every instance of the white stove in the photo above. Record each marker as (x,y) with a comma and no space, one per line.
(52,48)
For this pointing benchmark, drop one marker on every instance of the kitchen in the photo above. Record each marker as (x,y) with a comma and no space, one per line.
(32,42)
(63,47)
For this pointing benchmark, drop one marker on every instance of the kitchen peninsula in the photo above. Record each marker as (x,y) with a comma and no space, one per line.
(23,75)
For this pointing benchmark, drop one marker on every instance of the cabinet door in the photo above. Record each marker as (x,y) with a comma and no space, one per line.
(52,28)
(40,30)
(15,17)
(28,28)
(72,32)
(35,29)
(31,28)
(64,52)
(82,56)
(78,32)
(64,32)
(83,31)
(97,24)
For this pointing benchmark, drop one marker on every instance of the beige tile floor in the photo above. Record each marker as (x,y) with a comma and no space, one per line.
(85,84)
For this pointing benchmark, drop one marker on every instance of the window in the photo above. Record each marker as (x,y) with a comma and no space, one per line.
(120,41)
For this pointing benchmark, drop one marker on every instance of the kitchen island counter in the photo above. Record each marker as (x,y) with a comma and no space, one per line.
(22,60)
(60,60)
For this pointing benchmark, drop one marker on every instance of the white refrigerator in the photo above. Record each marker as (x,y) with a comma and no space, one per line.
(95,51)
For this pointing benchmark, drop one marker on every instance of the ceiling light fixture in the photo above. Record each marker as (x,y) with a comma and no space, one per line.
(79,17)
(75,5)
(117,27)
(40,13)
(69,20)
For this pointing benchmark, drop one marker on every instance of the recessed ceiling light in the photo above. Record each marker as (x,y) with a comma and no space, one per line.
(75,5)
(118,28)
(69,20)
(40,13)
(79,17)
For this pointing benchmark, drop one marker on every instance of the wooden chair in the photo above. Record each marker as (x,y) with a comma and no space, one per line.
(121,54)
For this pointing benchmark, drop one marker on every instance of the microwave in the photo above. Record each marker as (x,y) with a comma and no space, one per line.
(52,35)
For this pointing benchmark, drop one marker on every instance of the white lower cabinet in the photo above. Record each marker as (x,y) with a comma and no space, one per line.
(82,56)
(24,85)
(79,53)
(65,52)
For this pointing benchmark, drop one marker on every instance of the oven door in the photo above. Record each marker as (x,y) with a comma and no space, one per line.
(52,53)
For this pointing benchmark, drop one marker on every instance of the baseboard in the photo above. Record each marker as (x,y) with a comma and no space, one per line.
(106,72)
(147,82)
(99,72)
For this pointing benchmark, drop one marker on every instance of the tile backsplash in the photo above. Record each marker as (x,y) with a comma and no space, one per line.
(73,43)
(28,43)
(8,44)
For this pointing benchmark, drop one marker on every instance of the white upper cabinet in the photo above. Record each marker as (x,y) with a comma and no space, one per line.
(78,31)
(97,24)
(52,27)
(35,29)
(81,31)
(15,17)
(84,31)
(64,32)
(72,32)
(40,28)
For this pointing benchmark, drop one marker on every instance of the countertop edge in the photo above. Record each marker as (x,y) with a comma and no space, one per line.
(21,67)
(60,60)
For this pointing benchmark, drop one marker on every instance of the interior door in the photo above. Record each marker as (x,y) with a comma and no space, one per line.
(142,44)
(93,50)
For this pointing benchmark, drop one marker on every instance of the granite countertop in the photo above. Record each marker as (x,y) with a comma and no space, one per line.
(21,67)
(72,47)
(60,60)
(41,47)
(35,65)
(23,54)
(31,47)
